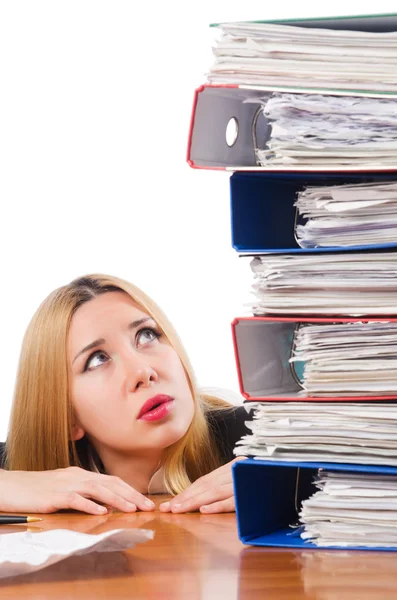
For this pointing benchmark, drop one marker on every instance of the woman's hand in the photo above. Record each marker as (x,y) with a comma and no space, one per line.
(212,493)
(73,488)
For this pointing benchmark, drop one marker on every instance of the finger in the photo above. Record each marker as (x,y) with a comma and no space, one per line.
(214,494)
(222,506)
(104,495)
(127,492)
(114,479)
(201,485)
(75,501)
(221,476)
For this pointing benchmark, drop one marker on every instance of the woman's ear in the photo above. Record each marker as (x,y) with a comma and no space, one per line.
(77,432)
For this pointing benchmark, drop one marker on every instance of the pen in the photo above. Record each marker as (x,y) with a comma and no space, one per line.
(11,519)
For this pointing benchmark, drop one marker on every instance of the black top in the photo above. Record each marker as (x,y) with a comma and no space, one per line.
(227,427)
(2,454)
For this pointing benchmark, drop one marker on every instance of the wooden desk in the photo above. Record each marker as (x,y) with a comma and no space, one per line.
(199,557)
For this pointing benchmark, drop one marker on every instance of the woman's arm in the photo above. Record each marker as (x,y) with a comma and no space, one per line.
(73,488)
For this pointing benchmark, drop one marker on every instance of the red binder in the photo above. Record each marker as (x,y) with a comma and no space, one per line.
(262,347)
(215,106)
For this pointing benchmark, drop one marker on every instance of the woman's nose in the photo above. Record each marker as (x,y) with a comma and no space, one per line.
(139,374)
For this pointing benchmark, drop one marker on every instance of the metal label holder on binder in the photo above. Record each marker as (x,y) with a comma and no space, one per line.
(291,354)
(253,132)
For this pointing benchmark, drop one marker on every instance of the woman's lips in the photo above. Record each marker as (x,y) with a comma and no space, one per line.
(156,408)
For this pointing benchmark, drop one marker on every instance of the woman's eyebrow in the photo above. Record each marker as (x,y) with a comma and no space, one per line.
(89,347)
(136,324)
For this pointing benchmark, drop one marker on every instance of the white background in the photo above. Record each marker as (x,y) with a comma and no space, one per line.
(95,105)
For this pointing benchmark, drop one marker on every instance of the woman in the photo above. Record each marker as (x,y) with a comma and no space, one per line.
(106,410)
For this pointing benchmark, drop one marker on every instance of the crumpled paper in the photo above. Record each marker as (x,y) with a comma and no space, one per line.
(26,552)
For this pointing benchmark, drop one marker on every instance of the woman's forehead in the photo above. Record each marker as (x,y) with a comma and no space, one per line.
(107,308)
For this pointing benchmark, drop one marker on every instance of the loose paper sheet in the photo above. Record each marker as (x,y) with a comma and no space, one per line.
(26,552)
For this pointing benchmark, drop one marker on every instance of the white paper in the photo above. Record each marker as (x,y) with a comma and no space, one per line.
(316,129)
(334,517)
(342,432)
(289,55)
(347,284)
(347,357)
(347,215)
(26,552)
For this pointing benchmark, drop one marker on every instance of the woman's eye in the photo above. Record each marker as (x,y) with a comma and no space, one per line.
(95,360)
(146,335)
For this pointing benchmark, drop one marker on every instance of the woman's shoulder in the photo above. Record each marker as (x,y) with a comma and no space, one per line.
(228,426)
(2,454)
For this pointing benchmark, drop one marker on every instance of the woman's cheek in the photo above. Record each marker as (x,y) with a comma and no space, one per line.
(86,399)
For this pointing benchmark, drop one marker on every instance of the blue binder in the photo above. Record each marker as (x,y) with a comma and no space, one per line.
(263,214)
(268,492)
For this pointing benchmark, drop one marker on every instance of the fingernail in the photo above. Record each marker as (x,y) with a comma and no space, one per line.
(149,503)
(130,505)
(204,508)
(102,509)
(176,507)
(165,505)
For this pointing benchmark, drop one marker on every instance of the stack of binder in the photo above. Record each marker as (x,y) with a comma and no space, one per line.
(313,206)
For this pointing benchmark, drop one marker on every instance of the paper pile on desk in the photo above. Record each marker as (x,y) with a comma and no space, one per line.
(339,432)
(351,509)
(326,132)
(343,215)
(26,552)
(351,283)
(286,55)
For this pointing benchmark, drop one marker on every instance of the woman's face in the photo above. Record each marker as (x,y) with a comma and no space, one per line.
(129,389)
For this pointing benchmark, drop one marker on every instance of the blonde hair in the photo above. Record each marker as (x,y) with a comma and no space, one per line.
(40,430)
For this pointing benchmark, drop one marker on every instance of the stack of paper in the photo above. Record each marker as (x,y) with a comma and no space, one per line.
(348,359)
(329,131)
(338,432)
(351,509)
(269,54)
(346,215)
(335,284)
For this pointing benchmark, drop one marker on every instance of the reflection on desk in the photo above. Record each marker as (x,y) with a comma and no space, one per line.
(333,575)
(191,556)
(199,557)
